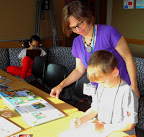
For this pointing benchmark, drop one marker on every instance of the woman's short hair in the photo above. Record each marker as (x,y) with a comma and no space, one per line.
(101,60)
(78,10)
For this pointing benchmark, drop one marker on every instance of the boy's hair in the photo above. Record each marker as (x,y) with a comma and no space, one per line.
(35,38)
(101,60)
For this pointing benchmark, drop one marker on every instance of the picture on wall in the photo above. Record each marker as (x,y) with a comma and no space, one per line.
(139,4)
(128,4)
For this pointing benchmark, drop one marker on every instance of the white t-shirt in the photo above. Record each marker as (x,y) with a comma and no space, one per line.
(23,53)
(117,111)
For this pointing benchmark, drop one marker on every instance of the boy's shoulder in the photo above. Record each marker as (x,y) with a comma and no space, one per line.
(126,89)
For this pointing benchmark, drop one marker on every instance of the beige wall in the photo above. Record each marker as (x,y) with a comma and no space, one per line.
(130,23)
(45,29)
(17,19)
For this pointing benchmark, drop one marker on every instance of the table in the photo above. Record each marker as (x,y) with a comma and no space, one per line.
(5,74)
(49,129)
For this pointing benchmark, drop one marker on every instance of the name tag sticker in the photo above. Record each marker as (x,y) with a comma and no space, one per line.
(89,89)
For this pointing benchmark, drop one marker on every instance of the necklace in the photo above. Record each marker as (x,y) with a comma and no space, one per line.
(92,48)
(89,48)
(113,102)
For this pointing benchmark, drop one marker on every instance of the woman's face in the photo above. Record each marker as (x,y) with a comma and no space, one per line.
(79,26)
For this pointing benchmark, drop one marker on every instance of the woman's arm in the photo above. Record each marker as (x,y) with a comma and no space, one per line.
(77,73)
(125,52)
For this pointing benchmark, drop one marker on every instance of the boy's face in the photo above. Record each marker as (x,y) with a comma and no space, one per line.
(107,80)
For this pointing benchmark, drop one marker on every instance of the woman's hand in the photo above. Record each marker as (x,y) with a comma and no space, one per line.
(56,91)
(76,122)
(99,126)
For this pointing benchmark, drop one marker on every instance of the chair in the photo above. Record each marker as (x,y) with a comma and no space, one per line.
(78,90)
(38,67)
(38,72)
(54,74)
(80,100)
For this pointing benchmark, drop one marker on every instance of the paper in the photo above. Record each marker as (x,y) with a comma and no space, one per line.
(3,87)
(89,89)
(85,130)
(7,128)
(4,80)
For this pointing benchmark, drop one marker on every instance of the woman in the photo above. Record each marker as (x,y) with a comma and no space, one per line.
(78,18)
(26,62)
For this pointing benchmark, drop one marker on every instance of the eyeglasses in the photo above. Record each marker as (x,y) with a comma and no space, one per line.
(79,25)
(34,46)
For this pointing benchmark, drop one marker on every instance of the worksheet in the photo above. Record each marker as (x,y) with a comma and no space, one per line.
(85,130)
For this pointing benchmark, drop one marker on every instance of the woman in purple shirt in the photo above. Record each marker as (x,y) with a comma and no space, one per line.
(78,18)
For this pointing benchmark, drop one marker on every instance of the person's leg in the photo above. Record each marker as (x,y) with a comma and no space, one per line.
(14,70)
(26,67)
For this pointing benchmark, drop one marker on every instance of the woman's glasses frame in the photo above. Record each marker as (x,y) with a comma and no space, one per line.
(79,25)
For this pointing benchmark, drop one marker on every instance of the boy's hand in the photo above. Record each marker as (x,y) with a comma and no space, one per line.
(76,122)
(99,126)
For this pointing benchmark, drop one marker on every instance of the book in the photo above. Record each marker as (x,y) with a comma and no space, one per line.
(34,109)
(4,80)
(7,128)
(3,87)
(33,53)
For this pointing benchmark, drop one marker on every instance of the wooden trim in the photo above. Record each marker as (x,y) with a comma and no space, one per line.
(11,44)
(18,44)
(135,41)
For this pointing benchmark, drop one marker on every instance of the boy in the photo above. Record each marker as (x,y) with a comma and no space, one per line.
(115,104)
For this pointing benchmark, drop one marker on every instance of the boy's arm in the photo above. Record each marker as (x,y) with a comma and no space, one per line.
(88,115)
(130,109)
(119,127)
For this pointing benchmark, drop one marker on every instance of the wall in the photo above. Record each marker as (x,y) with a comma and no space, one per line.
(130,24)
(18,21)
(45,29)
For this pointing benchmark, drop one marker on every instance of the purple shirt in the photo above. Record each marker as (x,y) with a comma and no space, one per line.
(106,39)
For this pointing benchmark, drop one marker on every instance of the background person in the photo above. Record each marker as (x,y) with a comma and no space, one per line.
(26,62)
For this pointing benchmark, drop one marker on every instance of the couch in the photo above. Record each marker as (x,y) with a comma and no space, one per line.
(63,56)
